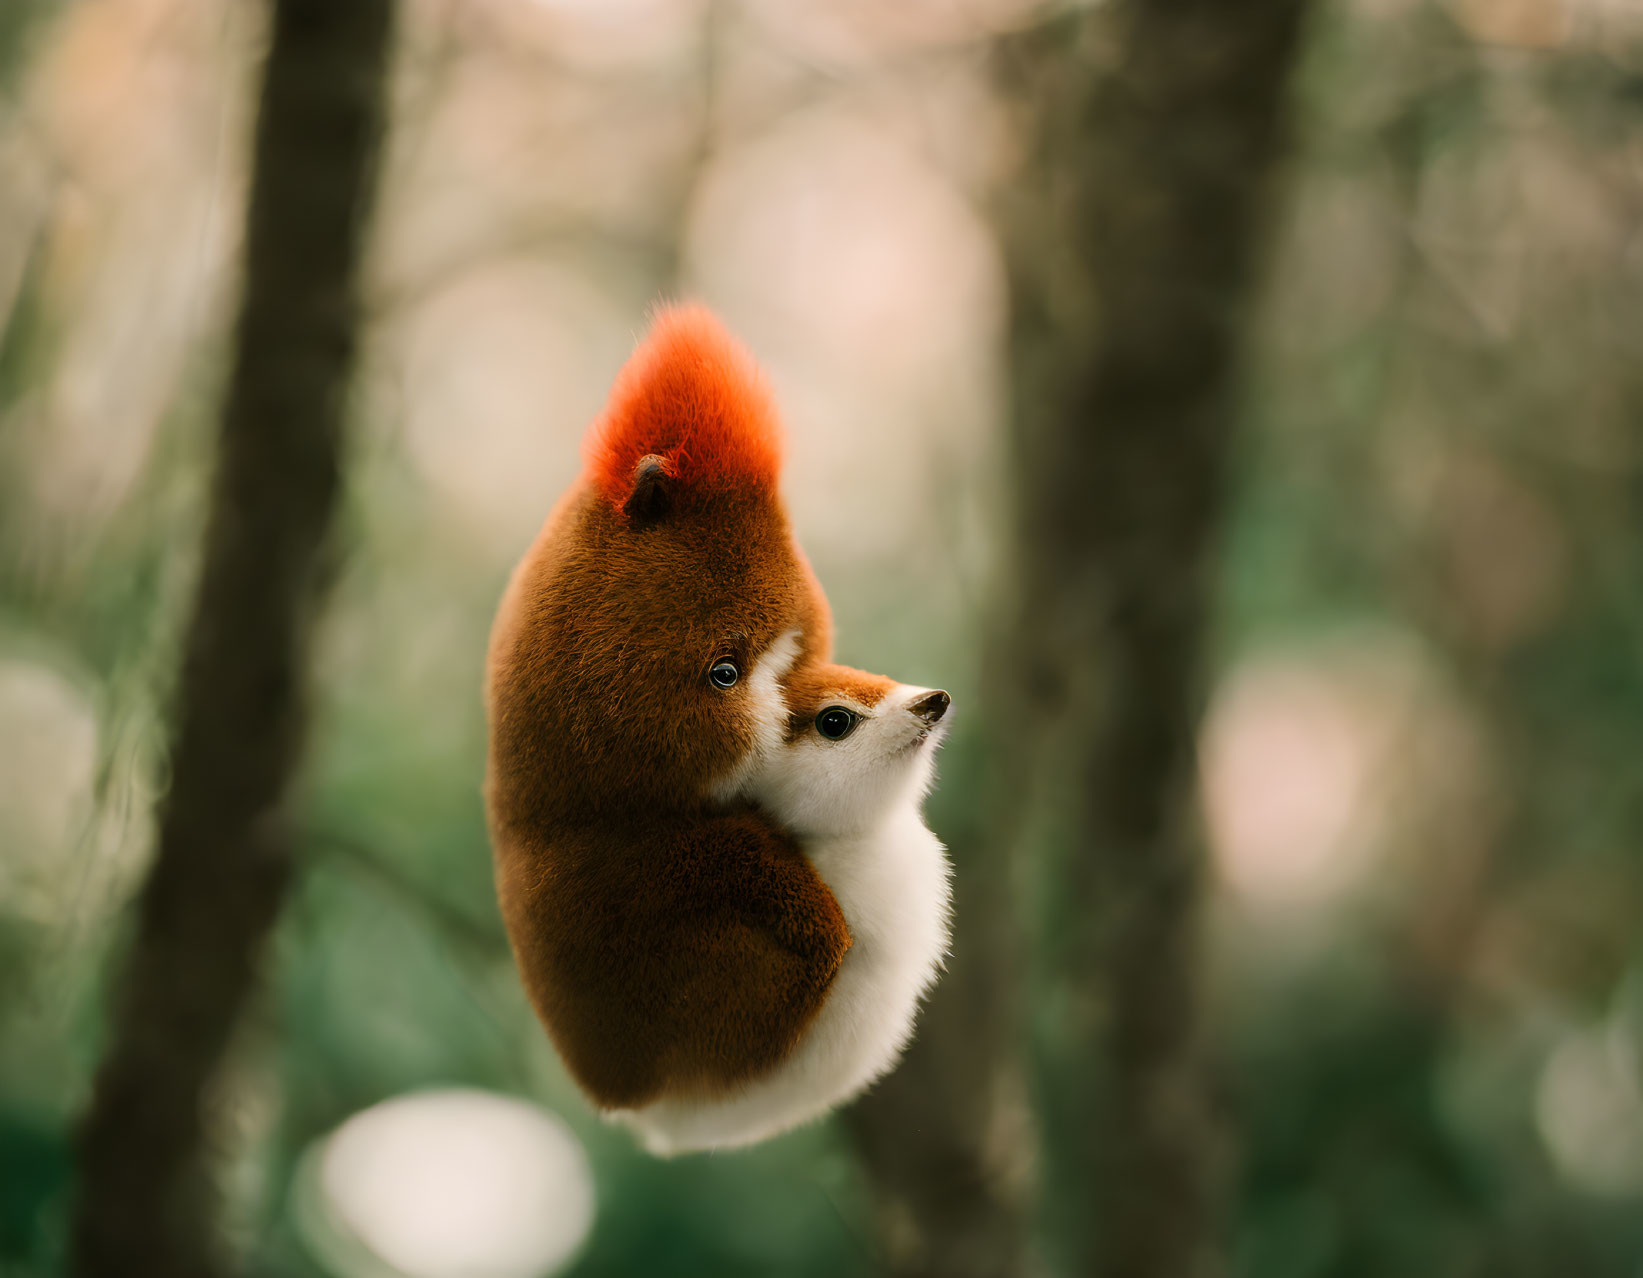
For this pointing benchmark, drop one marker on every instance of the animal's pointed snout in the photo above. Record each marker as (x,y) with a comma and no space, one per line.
(931,706)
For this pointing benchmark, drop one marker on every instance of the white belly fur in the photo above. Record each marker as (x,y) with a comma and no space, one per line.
(893,886)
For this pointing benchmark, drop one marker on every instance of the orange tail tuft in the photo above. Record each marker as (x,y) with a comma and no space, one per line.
(692,395)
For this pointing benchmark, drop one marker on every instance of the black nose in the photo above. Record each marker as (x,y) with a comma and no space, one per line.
(931,706)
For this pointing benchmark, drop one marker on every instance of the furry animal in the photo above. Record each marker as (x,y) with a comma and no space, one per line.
(848,780)
(673,853)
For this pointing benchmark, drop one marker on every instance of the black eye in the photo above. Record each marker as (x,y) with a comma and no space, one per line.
(724,674)
(836,723)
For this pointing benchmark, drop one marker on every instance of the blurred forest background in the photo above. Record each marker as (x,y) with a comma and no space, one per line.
(1364,616)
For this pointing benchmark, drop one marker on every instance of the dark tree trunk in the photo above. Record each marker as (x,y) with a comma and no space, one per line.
(1150,132)
(224,856)
(1152,129)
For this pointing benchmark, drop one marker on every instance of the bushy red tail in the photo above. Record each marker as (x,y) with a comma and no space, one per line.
(692,395)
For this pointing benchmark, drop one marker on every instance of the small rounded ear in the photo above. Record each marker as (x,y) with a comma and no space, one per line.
(651,497)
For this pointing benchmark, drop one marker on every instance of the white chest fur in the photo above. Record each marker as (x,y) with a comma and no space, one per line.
(892,882)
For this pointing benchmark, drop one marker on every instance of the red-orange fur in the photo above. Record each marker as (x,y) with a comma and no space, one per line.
(670,946)
(812,689)
(692,396)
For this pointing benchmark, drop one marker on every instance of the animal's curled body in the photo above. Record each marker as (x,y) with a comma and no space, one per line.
(853,800)
(724,907)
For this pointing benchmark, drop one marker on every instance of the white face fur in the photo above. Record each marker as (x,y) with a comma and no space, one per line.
(822,788)
(763,693)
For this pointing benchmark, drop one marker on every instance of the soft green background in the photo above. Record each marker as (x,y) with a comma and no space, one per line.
(1423,782)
